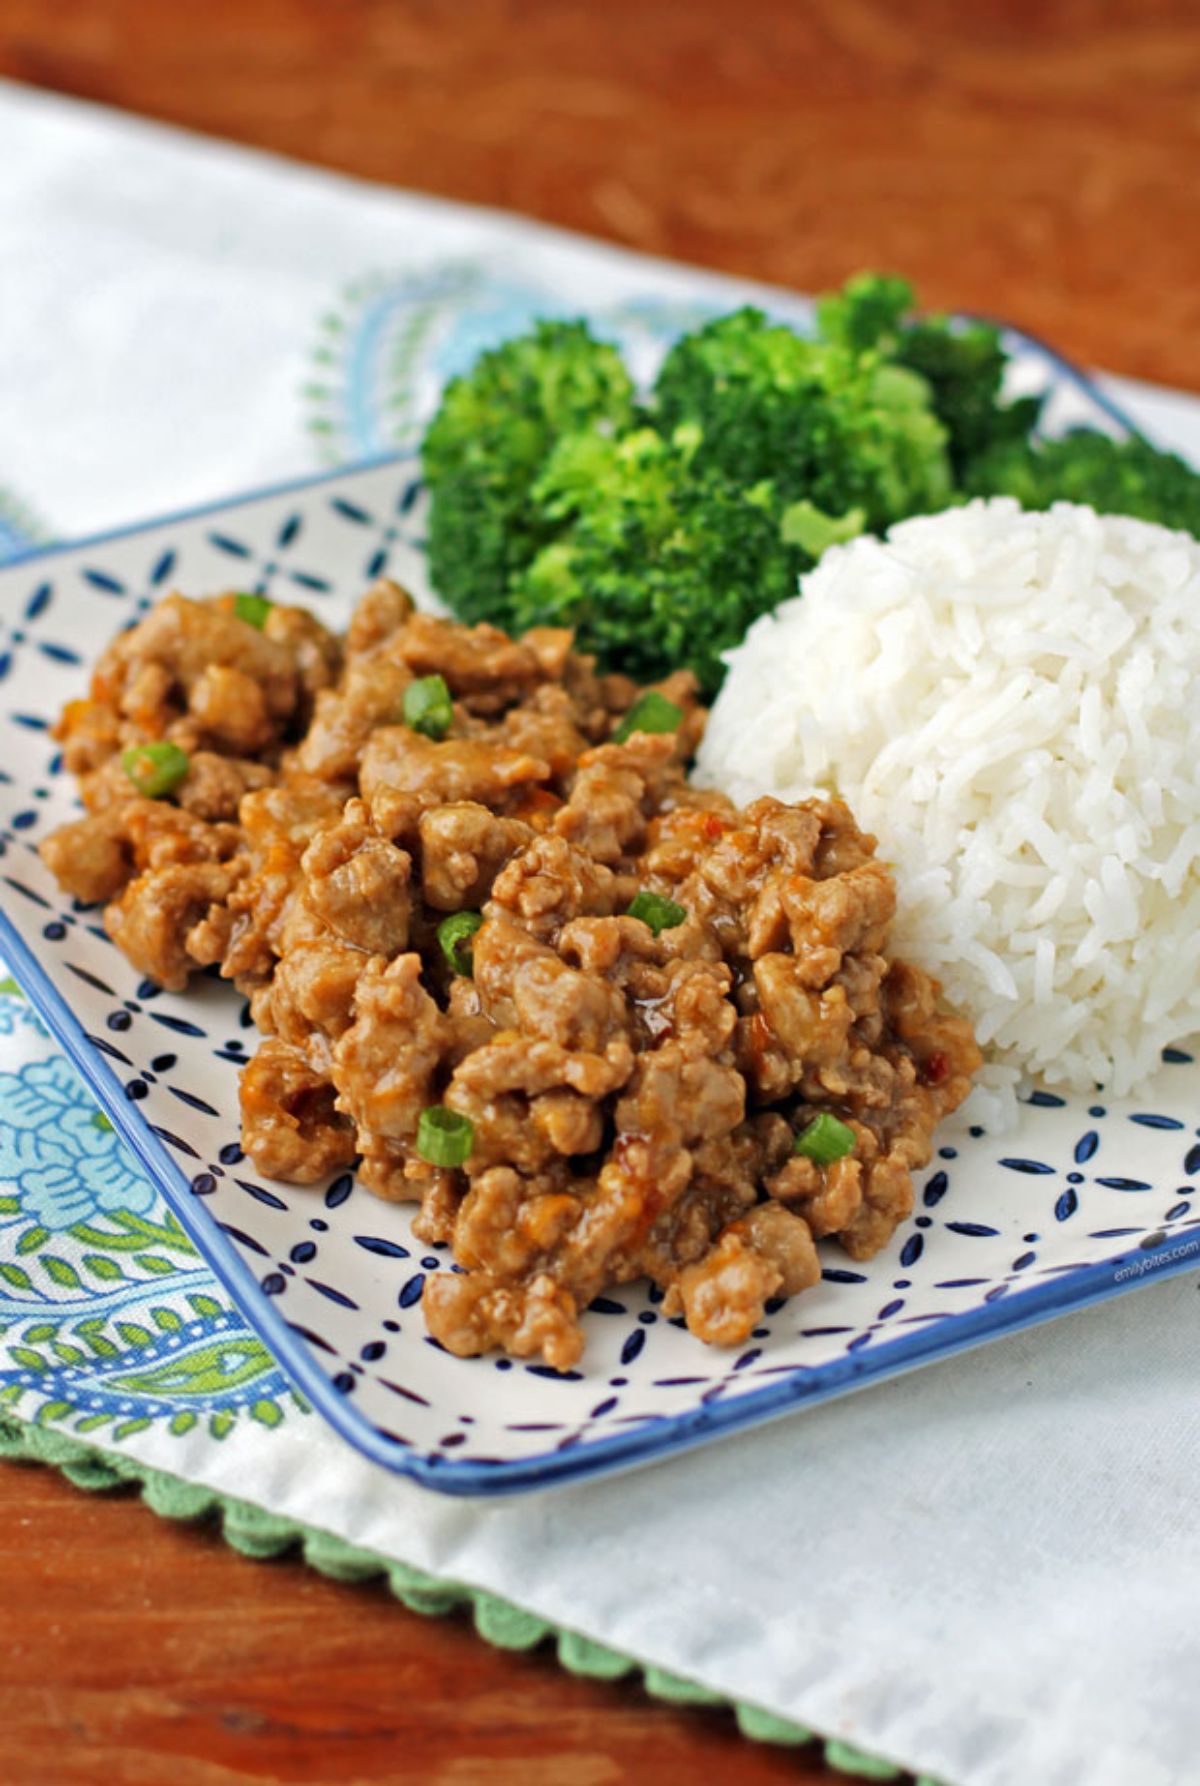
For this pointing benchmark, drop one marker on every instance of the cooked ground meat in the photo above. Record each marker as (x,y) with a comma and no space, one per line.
(628,1085)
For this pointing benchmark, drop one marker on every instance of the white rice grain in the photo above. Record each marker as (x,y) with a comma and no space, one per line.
(1009,701)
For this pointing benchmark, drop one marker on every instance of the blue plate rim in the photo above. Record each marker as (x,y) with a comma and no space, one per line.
(217,505)
(666,1435)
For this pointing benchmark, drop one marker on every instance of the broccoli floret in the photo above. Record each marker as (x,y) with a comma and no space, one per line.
(660,565)
(867,312)
(488,442)
(964,368)
(823,420)
(1116,477)
(661,532)
(806,526)
(962,363)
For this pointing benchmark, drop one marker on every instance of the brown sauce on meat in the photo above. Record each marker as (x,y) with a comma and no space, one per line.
(633,1098)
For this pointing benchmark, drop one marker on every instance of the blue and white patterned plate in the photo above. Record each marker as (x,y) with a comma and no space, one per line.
(1088,1198)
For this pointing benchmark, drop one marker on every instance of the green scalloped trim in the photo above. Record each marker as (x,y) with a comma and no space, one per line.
(257,1533)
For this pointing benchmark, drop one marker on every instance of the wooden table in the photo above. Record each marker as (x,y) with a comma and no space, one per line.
(1036,159)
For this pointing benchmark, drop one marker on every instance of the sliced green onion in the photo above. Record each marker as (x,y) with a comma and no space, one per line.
(155,769)
(660,914)
(454,934)
(444,1138)
(101,1122)
(427,706)
(825,1140)
(651,712)
(253,609)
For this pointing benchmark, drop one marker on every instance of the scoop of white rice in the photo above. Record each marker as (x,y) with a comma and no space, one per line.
(1011,703)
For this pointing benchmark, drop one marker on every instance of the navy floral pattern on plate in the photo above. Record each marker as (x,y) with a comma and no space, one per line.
(1089,1197)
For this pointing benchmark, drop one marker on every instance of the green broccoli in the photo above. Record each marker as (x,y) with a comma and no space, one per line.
(963,364)
(1117,477)
(867,312)
(964,368)
(657,564)
(661,532)
(825,421)
(485,447)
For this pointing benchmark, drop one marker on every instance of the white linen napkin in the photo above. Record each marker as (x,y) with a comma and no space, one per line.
(988,1571)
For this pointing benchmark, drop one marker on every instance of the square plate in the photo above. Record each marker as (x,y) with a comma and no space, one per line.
(1088,1198)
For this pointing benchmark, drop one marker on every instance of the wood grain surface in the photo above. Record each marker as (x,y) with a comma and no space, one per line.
(1033,158)
(1036,159)
(138,1653)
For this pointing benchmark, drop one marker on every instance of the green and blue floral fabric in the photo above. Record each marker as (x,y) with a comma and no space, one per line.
(109,1318)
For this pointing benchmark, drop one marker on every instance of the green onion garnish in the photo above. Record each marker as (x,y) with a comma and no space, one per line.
(651,712)
(253,609)
(825,1140)
(101,1122)
(660,914)
(444,1138)
(155,769)
(427,706)
(454,934)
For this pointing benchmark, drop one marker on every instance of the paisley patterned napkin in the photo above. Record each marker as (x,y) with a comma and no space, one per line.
(926,1571)
(110,1324)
